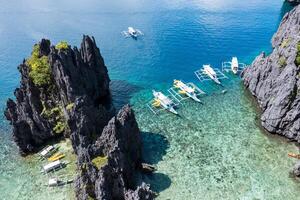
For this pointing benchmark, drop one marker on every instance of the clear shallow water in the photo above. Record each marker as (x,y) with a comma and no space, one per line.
(215,150)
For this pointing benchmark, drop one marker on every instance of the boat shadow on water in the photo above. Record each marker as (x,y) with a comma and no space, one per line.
(155,146)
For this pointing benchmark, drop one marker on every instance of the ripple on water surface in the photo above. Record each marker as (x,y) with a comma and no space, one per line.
(215,150)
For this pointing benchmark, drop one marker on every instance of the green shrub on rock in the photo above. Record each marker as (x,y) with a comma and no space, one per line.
(282,61)
(59,127)
(297,60)
(285,43)
(99,161)
(63,45)
(39,68)
(70,106)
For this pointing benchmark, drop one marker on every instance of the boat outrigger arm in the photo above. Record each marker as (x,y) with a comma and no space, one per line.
(161,102)
(182,91)
(235,66)
(208,73)
(131,32)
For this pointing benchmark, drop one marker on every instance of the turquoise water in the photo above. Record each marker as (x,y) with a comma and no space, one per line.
(213,151)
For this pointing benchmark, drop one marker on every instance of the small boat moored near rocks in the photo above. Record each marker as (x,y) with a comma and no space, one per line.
(47,151)
(53,182)
(147,168)
(209,73)
(162,101)
(53,166)
(56,156)
(294,155)
(233,66)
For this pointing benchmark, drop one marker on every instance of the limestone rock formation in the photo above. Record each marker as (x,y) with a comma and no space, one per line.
(51,80)
(293,2)
(119,147)
(274,79)
(65,92)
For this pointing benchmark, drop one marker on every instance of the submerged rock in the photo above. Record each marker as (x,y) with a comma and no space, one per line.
(274,80)
(296,169)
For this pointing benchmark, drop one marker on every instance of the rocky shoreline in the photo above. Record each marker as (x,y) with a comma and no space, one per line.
(64,92)
(274,80)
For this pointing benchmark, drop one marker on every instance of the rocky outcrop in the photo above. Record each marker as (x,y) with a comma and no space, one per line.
(65,92)
(293,2)
(73,73)
(119,145)
(274,80)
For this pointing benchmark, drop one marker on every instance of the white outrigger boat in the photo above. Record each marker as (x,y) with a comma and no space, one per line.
(47,151)
(161,100)
(52,182)
(131,32)
(187,90)
(209,73)
(234,65)
(53,166)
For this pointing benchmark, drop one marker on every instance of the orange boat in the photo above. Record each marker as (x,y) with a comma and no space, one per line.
(56,156)
(293,155)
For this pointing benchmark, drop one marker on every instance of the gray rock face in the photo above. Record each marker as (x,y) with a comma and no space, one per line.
(77,98)
(274,80)
(120,142)
(293,2)
(73,73)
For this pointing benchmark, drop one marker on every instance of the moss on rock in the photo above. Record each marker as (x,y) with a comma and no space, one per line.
(99,161)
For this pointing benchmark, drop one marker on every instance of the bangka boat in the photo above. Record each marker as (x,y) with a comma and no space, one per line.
(56,182)
(147,168)
(132,32)
(210,72)
(53,166)
(56,156)
(186,90)
(293,155)
(234,65)
(47,151)
(161,100)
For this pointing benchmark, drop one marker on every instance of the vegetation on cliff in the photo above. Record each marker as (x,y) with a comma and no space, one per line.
(62,45)
(39,67)
(297,60)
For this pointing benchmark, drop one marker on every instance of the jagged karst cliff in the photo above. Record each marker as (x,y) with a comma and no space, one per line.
(274,80)
(41,109)
(293,2)
(64,92)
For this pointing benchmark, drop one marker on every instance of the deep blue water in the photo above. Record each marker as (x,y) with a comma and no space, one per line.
(179,37)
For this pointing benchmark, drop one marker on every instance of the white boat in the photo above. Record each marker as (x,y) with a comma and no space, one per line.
(53,182)
(234,65)
(163,101)
(132,32)
(52,166)
(210,72)
(47,151)
(187,90)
